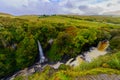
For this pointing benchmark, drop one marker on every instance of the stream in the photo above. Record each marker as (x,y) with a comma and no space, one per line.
(87,56)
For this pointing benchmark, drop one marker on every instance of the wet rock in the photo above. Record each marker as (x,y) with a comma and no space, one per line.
(76,62)
(50,41)
(56,66)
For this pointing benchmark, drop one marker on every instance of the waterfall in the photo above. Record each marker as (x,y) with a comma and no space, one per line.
(41,54)
(94,52)
(103,45)
(98,51)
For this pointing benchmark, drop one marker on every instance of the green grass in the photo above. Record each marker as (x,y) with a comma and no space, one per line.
(108,64)
(71,21)
(69,74)
(75,22)
(108,61)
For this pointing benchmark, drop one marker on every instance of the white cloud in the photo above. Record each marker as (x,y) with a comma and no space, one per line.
(14,3)
(19,7)
(109,5)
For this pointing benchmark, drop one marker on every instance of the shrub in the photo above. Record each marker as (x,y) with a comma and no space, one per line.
(114,43)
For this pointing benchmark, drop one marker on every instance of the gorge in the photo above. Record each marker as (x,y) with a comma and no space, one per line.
(87,57)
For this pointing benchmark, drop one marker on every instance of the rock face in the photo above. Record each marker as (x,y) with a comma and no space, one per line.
(100,77)
(31,70)
(50,41)
(76,62)
(56,66)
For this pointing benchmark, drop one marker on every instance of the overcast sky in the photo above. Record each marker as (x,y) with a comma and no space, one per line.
(88,7)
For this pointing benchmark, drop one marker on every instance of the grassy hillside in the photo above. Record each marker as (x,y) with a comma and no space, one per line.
(71,35)
(109,64)
(5,15)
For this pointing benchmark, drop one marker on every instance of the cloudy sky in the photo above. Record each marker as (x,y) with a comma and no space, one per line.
(86,7)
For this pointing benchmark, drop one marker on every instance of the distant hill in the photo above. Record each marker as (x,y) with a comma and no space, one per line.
(5,14)
(117,13)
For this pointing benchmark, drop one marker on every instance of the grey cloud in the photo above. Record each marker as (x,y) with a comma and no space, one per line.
(83,7)
(25,6)
(69,4)
(48,8)
(110,4)
(90,10)
(118,1)
(54,6)
(72,3)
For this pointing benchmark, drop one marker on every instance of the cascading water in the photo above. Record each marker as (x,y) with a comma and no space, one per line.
(103,45)
(41,54)
(96,52)
(76,62)
(90,55)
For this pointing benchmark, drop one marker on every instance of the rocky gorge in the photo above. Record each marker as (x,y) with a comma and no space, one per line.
(86,57)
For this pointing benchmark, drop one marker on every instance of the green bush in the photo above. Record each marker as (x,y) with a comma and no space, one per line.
(114,43)
(114,62)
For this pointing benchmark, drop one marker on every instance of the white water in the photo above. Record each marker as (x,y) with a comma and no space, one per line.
(41,54)
(98,51)
(76,62)
(90,55)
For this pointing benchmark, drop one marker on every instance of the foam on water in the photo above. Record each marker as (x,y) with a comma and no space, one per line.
(41,54)
(96,52)
(90,55)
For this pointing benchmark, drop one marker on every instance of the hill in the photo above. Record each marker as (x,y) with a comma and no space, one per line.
(5,14)
(71,34)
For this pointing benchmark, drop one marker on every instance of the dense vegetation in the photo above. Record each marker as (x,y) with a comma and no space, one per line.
(71,35)
(109,64)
